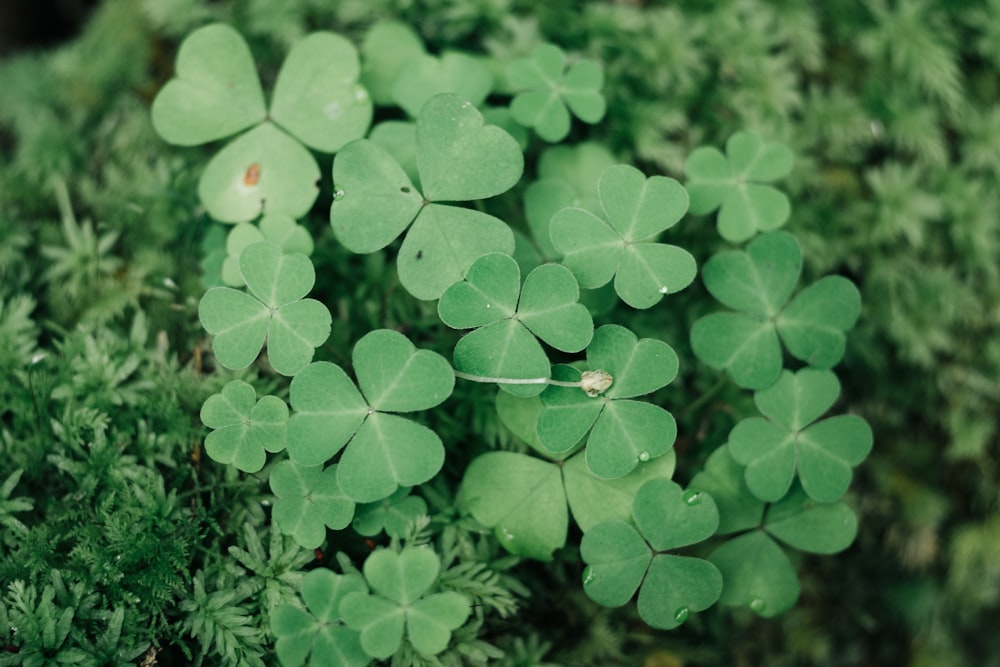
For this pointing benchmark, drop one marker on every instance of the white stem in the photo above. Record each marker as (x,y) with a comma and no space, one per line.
(480,378)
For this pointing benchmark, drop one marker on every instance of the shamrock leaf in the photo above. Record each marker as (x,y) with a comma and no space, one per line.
(277,228)
(788,442)
(723,478)
(807,525)
(621,558)
(388,47)
(521,498)
(309,500)
(458,159)
(757,283)
(274,311)
(734,183)
(319,634)
(622,433)
(383,451)
(756,573)
(261,171)
(546,89)
(317,97)
(400,582)
(637,210)
(317,101)
(425,76)
(509,317)
(244,427)
(216,92)
(394,514)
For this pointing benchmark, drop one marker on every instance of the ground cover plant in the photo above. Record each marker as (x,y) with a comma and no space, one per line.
(459,343)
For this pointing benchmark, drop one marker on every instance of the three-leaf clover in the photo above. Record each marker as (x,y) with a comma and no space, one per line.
(244,427)
(274,311)
(216,93)
(621,557)
(546,88)
(308,500)
(622,432)
(459,159)
(319,634)
(621,245)
(507,317)
(755,569)
(384,451)
(734,183)
(277,228)
(523,499)
(394,514)
(757,283)
(400,582)
(788,442)
(425,76)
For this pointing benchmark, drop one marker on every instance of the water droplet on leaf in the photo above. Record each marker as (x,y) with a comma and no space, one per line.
(588,575)
(692,497)
(663,290)
(338,195)
(758,605)
(682,614)
(643,456)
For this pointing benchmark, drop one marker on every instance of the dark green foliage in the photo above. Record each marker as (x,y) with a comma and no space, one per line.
(122,542)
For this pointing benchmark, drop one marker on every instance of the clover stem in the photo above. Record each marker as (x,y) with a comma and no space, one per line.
(593,383)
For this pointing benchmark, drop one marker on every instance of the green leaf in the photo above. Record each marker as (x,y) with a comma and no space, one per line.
(460,158)
(443,242)
(262,171)
(594,500)
(395,376)
(676,586)
(240,322)
(542,199)
(317,97)
(813,325)
(745,347)
(277,228)
(425,76)
(637,211)
(488,294)
(775,449)
(375,200)
(670,518)
(617,558)
(216,92)
(723,479)
(308,501)
(802,523)
(639,367)
(399,139)
(244,428)
(328,410)
(758,280)
(733,182)
(549,308)
(545,91)
(386,50)
(521,498)
(756,574)
(319,633)
(520,415)
(567,413)
(386,453)
(504,350)
(626,434)
(394,514)
(401,580)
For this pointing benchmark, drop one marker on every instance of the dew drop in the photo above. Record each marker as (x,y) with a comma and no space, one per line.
(692,497)
(682,614)
(466,105)
(487,305)
(758,605)
(338,195)
(588,575)
(507,536)
(360,94)
(643,456)
(663,290)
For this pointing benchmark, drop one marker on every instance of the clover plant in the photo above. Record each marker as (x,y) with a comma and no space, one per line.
(589,424)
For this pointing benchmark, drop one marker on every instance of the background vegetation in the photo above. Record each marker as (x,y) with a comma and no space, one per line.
(120,541)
